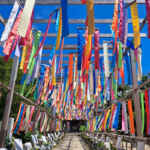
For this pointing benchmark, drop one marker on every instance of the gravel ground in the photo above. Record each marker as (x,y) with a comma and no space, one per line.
(71,142)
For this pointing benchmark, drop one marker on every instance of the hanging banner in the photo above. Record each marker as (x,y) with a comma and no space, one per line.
(10,22)
(131,118)
(90,14)
(136,26)
(147,2)
(65,24)
(25,17)
(106,60)
(96,48)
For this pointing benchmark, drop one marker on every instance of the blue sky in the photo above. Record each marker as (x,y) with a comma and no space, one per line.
(79,12)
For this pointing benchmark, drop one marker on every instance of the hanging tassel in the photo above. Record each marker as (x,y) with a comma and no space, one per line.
(70,67)
(90,14)
(106,60)
(22,120)
(120,56)
(128,66)
(18,120)
(136,26)
(80,42)
(124,118)
(96,48)
(147,2)
(121,19)
(12,36)
(46,82)
(116,119)
(25,17)
(115,24)
(131,118)
(65,24)
(147,112)
(106,119)
(28,53)
(31,114)
(54,71)
(10,22)
(59,30)
(34,48)
(139,60)
(45,35)
(143,111)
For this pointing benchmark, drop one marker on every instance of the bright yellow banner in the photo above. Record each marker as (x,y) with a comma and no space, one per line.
(136,26)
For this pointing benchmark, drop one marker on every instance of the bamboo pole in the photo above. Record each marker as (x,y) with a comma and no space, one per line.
(9,99)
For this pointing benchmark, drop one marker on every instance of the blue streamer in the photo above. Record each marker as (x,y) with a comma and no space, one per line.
(23,79)
(80,42)
(130,44)
(113,61)
(19,120)
(65,25)
(128,66)
(65,76)
(94,82)
(116,120)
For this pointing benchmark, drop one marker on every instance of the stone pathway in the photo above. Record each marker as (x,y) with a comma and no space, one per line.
(71,141)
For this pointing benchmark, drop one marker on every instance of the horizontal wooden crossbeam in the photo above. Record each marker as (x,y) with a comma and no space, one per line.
(66,55)
(70,47)
(81,21)
(102,35)
(71,2)
(2,20)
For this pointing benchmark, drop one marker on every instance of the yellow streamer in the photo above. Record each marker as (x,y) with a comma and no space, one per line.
(90,13)
(106,118)
(136,26)
(88,45)
(59,31)
(23,57)
(53,73)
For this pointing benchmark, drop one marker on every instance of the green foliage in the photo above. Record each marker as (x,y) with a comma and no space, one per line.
(26,137)
(82,128)
(5,73)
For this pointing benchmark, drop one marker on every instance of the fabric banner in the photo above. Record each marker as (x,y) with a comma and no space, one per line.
(65,24)
(10,22)
(131,118)
(136,26)
(90,13)
(106,60)
(25,18)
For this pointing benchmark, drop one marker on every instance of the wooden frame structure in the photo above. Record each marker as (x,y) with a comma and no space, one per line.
(81,21)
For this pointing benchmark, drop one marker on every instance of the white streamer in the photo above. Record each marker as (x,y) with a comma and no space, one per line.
(10,22)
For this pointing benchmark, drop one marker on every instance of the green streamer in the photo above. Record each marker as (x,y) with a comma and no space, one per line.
(23,87)
(115,89)
(143,110)
(120,56)
(32,59)
(34,47)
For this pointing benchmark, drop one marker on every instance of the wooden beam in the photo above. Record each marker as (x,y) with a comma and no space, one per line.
(26,100)
(67,55)
(70,47)
(102,35)
(2,20)
(125,137)
(71,2)
(137,108)
(81,21)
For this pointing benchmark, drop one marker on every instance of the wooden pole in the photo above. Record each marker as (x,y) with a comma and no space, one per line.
(136,98)
(9,99)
